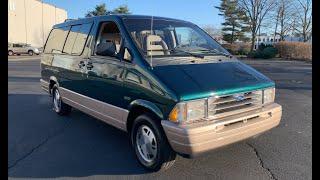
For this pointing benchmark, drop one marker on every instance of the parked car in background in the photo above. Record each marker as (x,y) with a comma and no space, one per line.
(22,48)
(40,49)
(165,82)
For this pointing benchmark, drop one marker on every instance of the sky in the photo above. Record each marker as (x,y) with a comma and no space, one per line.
(201,13)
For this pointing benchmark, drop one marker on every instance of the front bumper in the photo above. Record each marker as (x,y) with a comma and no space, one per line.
(197,138)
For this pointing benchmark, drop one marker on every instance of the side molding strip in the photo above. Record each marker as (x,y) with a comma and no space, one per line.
(108,113)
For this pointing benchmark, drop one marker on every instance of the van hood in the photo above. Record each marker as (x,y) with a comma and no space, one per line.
(194,81)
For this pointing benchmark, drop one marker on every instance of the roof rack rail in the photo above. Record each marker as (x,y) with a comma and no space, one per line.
(69,20)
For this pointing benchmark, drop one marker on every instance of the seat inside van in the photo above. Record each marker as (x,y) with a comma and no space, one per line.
(109,34)
(155,45)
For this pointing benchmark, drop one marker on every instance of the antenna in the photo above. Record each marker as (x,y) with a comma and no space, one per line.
(150,41)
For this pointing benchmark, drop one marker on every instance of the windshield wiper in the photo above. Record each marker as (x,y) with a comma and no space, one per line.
(189,53)
(215,51)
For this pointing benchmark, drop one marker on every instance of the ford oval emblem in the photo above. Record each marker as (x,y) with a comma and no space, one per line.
(238,97)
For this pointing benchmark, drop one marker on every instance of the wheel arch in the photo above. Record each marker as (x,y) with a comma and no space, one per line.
(138,107)
(52,81)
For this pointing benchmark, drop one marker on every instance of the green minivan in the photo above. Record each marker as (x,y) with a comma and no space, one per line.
(164,81)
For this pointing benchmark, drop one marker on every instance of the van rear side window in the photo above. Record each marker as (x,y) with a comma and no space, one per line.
(77,38)
(56,40)
(71,39)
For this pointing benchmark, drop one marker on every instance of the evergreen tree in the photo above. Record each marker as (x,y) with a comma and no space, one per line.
(99,10)
(235,25)
(122,10)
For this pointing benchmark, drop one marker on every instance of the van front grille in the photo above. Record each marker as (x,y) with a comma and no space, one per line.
(218,106)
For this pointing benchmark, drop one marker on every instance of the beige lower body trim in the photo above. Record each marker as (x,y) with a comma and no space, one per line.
(44,85)
(108,113)
(197,138)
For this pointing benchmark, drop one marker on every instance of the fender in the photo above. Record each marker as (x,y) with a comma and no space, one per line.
(146,104)
(53,78)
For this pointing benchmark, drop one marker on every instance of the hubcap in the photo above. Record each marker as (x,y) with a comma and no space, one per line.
(146,143)
(56,101)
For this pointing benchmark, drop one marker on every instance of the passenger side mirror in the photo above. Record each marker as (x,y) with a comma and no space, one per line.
(127,55)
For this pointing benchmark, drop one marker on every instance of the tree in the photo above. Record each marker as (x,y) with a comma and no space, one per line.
(284,18)
(234,26)
(304,19)
(99,10)
(256,11)
(212,31)
(121,10)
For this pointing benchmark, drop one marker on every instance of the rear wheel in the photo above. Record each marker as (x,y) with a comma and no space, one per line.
(30,52)
(58,106)
(150,144)
(10,53)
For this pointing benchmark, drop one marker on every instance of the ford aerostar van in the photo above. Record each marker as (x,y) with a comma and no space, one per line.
(164,81)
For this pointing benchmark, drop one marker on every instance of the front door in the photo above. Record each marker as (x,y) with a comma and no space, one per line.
(105,80)
(105,69)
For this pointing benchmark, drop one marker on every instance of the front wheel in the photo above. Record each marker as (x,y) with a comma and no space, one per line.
(150,144)
(30,53)
(10,53)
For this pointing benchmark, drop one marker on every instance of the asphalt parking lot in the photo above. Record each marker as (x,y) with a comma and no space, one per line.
(45,145)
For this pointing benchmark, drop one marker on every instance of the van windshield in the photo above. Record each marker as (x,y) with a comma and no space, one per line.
(172,38)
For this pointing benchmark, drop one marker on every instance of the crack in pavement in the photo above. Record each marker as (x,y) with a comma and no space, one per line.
(37,147)
(272,176)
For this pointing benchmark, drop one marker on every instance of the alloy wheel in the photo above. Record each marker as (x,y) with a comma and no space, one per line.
(146,143)
(56,101)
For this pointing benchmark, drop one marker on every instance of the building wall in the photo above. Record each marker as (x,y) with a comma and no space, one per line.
(30,21)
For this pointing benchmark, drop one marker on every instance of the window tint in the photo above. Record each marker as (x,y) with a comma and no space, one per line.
(81,39)
(17,45)
(71,39)
(77,38)
(109,40)
(56,40)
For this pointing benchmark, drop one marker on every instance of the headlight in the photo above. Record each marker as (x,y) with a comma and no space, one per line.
(268,95)
(188,111)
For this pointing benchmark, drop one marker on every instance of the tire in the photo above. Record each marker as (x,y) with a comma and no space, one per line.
(58,106)
(30,52)
(161,156)
(10,53)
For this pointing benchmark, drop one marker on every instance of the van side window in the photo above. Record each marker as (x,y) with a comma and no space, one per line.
(77,38)
(71,39)
(109,40)
(17,45)
(56,40)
